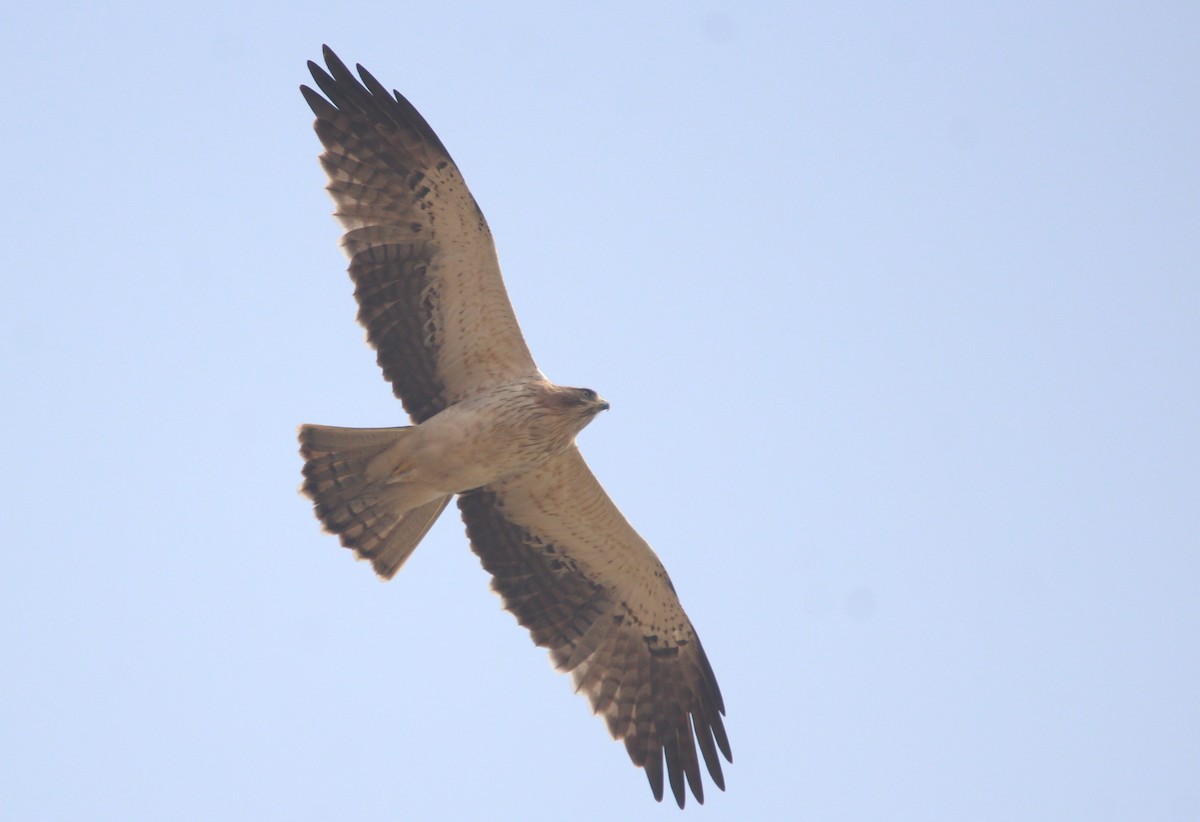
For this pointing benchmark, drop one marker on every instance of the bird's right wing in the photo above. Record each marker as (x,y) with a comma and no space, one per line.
(424,266)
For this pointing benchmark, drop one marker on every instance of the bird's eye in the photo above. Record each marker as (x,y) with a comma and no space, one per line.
(588,394)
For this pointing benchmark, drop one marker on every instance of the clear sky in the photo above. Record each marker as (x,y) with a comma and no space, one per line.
(898,310)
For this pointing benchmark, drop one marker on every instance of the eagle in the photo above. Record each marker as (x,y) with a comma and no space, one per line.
(491,429)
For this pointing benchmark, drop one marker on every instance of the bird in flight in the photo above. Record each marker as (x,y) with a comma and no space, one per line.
(489,427)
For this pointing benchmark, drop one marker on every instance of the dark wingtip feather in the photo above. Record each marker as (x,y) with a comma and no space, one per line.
(722,740)
(709,750)
(336,66)
(654,774)
(674,768)
(368,80)
(321,107)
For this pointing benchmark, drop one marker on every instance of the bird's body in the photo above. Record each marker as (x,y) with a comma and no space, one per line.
(490,428)
(504,431)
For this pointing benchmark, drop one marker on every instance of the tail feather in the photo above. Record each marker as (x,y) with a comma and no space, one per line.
(347,475)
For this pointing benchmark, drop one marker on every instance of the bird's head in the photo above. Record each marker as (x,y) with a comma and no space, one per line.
(579,404)
(589,401)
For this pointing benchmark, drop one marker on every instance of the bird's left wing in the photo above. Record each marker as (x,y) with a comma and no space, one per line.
(574,572)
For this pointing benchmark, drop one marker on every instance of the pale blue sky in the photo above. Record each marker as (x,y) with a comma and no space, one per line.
(898,309)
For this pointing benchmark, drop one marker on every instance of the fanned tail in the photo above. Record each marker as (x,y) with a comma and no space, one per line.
(349,474)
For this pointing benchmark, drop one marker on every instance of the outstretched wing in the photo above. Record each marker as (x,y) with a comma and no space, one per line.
(424,266)
(589,588)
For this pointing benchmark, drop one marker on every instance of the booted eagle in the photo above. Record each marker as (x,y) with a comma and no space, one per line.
(489,427)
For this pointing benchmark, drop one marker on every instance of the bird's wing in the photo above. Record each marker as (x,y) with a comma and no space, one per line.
(424,266)
(588,587)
